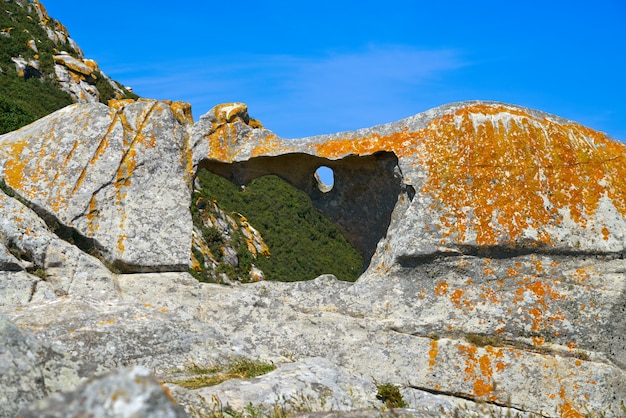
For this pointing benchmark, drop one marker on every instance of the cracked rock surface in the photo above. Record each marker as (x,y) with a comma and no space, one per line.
(495,279)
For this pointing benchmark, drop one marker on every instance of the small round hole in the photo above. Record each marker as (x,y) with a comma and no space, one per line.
(325,178)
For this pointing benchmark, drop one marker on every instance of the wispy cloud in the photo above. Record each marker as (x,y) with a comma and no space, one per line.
(303,95)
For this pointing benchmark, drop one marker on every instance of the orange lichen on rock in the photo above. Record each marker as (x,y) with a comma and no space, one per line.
(455,297)
(541,300)
(432,353)
(498,171)
(182,112)
(441,289)
(479,369)
(14,168)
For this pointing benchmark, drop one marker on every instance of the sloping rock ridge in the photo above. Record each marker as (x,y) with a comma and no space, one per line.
(493,236)
(51,53)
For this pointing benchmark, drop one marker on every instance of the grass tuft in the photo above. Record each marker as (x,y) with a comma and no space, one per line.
(203,376)
(390,395)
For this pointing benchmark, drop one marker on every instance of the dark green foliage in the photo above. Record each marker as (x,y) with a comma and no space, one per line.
(302,242)
(214,240)
(12,116)
(24,101)
(106,90)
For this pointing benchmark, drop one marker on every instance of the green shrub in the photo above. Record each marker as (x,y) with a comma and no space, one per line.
(24,101)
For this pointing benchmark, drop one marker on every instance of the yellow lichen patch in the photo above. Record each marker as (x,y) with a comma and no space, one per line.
(91,215)
(120,243)
(441,288)
(479,370)
(222,143)
(402,143)
(266,146)
(455,297)
(116,105)
(542,298)
(14,168)
(182,112)
(226,112)
(432,353)
(568,411)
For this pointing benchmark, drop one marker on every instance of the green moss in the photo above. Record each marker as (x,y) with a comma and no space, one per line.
(480,340)
(390,395)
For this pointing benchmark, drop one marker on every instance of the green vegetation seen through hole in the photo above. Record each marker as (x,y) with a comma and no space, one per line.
(303,243)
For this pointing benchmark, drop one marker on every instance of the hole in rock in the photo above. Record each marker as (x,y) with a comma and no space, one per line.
(302,242)
(365,192)
(325,178)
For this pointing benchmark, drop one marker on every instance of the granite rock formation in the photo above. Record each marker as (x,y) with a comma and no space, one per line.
(494,237)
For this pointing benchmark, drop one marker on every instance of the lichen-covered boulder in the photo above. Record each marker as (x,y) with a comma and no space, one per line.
(481,177)
(502,240)
(118,175)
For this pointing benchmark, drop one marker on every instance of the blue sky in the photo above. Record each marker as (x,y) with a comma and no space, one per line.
(307,68)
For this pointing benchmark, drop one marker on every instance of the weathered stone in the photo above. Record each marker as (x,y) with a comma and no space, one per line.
(494,235)
(127,393)
(481,176)
(31,369)
(64,267)
(80,90)
(116,175)
(310,384)
(8,262)
(21,381)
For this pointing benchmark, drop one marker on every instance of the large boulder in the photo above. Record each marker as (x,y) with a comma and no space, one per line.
(119,176)
(481,177)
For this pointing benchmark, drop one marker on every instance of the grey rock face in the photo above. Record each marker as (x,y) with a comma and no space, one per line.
(32,369)
(21,380)
(64,268)
(118,176)
(125,394)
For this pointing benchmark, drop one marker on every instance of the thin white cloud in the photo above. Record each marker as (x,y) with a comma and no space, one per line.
(303,95)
